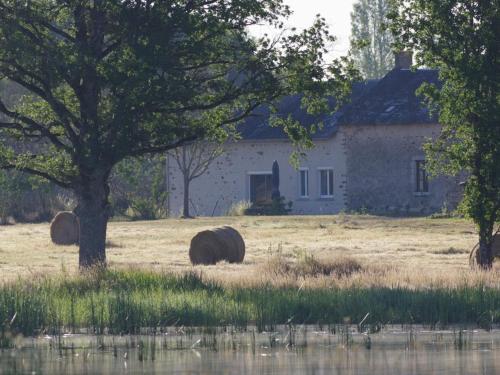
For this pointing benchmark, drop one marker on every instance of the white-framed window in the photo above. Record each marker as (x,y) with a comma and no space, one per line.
(421,177)
(303,182)
(325,182)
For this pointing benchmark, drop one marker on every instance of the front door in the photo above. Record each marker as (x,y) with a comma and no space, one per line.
(260,188)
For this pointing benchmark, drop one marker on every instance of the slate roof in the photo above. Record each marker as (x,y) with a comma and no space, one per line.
(391,100)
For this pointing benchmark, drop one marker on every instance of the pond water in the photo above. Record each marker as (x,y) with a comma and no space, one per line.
(287,350)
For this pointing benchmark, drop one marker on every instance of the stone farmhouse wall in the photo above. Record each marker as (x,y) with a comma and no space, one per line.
(228,179)
(381,170)
(374,171)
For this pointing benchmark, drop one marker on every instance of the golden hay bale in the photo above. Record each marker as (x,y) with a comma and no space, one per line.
(65,228)
(215,245)
(205,248)
(234,251)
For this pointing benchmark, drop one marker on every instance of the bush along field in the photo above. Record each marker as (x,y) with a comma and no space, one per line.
(138,192)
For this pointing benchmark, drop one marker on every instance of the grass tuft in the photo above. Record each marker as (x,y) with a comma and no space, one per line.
(239,208)
(307,265)
(451,251)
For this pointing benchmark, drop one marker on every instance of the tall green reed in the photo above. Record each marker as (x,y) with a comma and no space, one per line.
(134,301)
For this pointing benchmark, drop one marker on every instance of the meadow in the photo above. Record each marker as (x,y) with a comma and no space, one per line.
(413,252)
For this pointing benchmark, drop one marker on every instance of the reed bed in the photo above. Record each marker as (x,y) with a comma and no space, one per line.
(129,301)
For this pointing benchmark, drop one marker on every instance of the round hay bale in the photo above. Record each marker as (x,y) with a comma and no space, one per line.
(205,248)
(215,245)
(65,229)
(236,250)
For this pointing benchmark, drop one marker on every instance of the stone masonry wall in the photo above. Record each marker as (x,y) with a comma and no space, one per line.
(381,171)
(227,180)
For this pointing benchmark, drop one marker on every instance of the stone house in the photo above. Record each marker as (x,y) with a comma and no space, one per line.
(367,157)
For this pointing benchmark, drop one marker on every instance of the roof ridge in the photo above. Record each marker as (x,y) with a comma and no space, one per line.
(388,100)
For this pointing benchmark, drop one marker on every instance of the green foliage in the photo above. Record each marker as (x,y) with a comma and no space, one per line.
(138,188)
(122,302)
(25,198)
(445,213)
(460,38)
(370,40)
(279,206)
(9,195)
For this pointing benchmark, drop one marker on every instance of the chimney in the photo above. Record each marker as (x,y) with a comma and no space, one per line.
(403,60)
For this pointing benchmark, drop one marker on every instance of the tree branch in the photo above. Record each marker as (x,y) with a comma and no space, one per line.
(35,172)
(109,49)
(35,126)
(159,149)
(60,109)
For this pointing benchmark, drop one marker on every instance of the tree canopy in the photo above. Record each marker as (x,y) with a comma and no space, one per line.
(111,79)
(461,38)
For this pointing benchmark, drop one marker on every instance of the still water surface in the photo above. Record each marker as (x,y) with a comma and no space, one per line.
(288,350)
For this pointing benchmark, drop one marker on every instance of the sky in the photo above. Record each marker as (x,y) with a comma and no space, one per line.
(336,12)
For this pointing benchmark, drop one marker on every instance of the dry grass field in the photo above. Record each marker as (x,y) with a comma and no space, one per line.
(415,252)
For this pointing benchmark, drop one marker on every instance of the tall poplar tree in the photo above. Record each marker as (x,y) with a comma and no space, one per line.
(370,41)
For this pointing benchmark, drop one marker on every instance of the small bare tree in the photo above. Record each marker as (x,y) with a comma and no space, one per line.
(193,160)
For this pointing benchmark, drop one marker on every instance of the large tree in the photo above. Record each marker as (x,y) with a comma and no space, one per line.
(371,42)
(110,79)
(462,40)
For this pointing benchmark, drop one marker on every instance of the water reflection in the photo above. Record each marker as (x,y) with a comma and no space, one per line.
(307,350)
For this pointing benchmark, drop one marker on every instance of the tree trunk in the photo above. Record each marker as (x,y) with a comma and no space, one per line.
(485,254)
(185,211)
(93,213)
